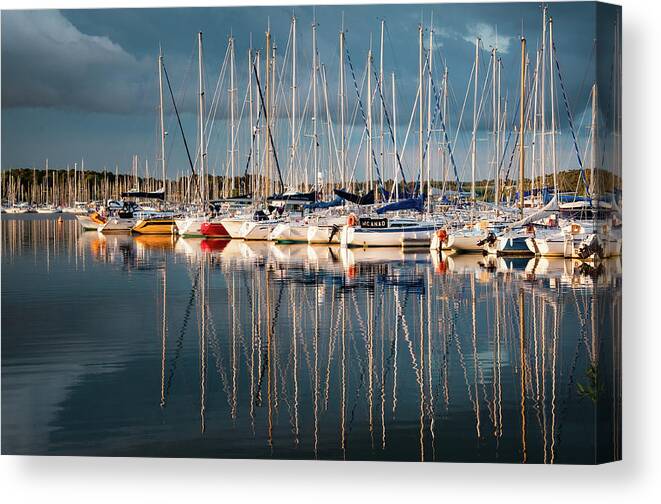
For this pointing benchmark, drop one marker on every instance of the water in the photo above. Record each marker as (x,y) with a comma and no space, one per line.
(157,346)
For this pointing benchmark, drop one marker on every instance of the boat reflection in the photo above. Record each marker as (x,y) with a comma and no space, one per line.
(265,350)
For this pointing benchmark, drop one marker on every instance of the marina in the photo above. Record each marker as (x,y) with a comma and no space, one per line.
(323,240)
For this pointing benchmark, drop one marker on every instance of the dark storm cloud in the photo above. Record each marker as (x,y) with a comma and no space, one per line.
(48,62)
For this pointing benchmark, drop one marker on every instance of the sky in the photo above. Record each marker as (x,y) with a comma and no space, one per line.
(82,84)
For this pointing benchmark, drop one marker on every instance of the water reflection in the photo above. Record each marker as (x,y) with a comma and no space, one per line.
(251,349)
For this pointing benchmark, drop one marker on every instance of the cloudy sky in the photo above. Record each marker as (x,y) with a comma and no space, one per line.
(83,83)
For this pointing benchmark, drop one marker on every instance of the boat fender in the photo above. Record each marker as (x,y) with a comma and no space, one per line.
(442,235)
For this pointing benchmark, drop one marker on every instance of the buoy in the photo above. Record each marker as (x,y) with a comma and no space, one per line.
(442,235)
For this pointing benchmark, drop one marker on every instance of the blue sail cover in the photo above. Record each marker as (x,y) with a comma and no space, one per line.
(325,204)
(407,204)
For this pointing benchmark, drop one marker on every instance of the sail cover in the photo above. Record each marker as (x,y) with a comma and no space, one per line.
(325,204)
(407,204)
(366,199)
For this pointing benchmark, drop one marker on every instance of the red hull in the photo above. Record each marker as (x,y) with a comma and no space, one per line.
(214,230)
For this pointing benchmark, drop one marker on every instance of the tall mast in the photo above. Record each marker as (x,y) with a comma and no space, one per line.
(593,144)
(342,119)
(380,84)
(256,158)
(445,124)
(394,140)
(267,144)
(495,91)
(420,99)
(314,102)
(474,136)
(542,137)
(252,121)
(203,154)
(160,113)
(535,99)
(368,151)
(522,122)
(429,104)
(232,112)
(553,149)
(293,98)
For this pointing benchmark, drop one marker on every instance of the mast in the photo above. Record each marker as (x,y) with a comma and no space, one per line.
(499,145)
(368,151)
(429,104)
(522,123)
(380,85)
(474,136)
(535,84)
(494,113)
(553,149)
(251,118)
(267,145)
(342,119)
(542,138)
(160,113)
(232,120)
(593,145)
(293,98)
(394,140)
(444,161)
(420,99)
(314,102)
(203,175)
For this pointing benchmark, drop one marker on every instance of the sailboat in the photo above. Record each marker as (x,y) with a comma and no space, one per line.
(160,222)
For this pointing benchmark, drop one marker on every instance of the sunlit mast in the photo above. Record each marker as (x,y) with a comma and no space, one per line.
(201,113)
(522,123)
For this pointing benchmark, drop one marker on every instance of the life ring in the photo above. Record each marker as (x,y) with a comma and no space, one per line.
(352,220)
(442,235)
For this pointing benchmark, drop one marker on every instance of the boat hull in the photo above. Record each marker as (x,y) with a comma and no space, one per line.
(466,242)
(290,232)
(233,226)
(390,237)
(118,225)
(257,230)
(155,226)
(214,230)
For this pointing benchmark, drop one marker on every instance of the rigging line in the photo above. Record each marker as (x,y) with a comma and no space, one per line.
(390,129)
(439,113)
(268,127)
(181,128)
(569,117)
(362,112)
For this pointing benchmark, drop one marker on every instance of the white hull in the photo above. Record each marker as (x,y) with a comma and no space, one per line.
(323,234)
(290,232)
(552,246)
(466,242)
(233,226)
(190,227)
(256,230)
(356,237)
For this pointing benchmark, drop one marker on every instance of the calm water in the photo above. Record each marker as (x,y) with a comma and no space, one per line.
(157,346)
